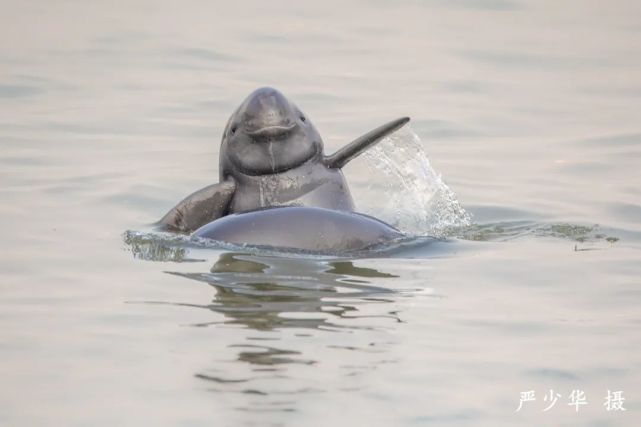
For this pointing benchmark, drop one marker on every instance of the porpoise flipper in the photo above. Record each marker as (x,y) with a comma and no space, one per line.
(199,208)
(356,147)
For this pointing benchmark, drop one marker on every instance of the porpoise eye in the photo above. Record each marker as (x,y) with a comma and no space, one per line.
(233,130)
(302,118)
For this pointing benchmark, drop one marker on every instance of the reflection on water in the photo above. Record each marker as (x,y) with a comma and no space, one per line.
(313,298)
(266,293)
(289,315)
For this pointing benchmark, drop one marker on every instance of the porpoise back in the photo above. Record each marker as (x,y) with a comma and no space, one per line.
(302,228)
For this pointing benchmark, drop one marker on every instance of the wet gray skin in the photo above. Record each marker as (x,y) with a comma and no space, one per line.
(266,135)
(271,155)
(307,228)
(274,154)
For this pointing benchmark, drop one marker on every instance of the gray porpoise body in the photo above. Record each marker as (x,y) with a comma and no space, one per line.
(304,228)
(274,154)
(271,156)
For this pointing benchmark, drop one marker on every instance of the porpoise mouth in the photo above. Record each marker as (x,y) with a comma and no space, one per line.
(272,131)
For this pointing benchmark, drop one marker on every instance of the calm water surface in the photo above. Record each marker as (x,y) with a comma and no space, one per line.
(112,113)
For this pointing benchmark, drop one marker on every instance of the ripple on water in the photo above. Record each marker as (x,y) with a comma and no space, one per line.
(313,299)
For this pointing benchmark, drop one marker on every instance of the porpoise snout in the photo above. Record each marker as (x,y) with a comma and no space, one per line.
(268,113)
(272,131)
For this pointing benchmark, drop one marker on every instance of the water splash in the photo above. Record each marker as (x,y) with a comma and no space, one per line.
(411,195)
(591,234)
(158,246)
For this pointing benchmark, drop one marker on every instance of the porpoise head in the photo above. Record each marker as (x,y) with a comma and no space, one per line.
(267,134)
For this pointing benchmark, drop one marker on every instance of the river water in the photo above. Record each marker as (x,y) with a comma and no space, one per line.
(528,112)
